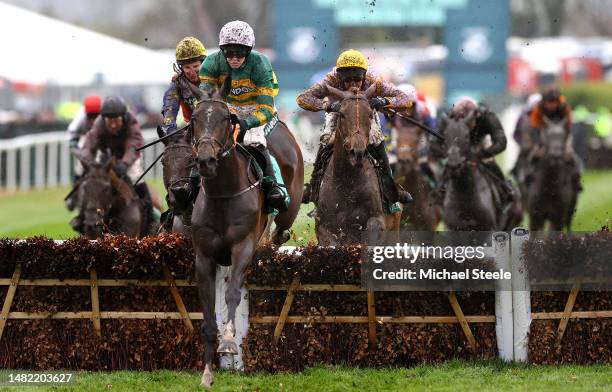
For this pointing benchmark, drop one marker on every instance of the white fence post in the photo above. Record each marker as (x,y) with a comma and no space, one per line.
(24,167)
(40,164)
(52,164)
(521,295)
(65,169)
(503,298)
(11,169)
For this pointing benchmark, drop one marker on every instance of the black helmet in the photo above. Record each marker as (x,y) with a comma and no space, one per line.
(113,107)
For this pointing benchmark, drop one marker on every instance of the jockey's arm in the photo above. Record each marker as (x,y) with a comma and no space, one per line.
(396,98)
(170,107)
(75,130)
(496,131)
(312,99)
(210,74)
(264,84)
(91,144)
(133,141)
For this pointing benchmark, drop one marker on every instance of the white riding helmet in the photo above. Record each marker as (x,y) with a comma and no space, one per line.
(237,32)
(533,100)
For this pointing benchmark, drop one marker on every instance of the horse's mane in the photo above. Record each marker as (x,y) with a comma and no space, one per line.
(125,191)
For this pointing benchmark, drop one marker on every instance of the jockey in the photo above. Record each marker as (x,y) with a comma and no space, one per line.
(485,123)
(252,88)
(116,133)
(554,107)
(190,53)
(351,71)
(421,113)
(523,133)
(77,129)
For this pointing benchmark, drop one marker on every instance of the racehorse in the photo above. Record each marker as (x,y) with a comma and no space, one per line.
(423,214)
(177,162)
(229,218)
(551,190)
(110,204)
(471,202)
(350,200)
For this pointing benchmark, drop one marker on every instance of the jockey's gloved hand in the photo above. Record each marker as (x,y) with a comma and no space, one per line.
(121,169)
(377,102)
(332,106)
(243,128)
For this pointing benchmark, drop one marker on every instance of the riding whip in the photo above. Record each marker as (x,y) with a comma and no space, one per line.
(163,137)
(149,168)
(417,123)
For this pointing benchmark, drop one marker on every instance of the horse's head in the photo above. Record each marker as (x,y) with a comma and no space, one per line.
(354,120)
(211,125)
(96,195)
(553,139)
(408,140)
(457,140)
(177,161)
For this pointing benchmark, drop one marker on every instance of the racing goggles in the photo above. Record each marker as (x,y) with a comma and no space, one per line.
(235,52)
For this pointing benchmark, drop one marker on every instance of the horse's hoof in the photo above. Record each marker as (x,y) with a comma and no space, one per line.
(228,346)
(207,378)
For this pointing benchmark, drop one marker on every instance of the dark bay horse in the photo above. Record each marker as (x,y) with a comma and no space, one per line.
(229,218)
(471,202)
(551,191)
(177,162)
(110,204)
(423,214)
(349,198)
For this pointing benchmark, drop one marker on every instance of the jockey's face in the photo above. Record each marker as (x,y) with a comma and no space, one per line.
(113,124)
(550,106)
(191,71)
(235,62)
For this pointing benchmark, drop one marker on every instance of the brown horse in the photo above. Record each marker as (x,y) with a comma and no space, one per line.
(552,193)
(423,214)
(177,162)
(350,201)
(110,204)
(229,219)
(471,202)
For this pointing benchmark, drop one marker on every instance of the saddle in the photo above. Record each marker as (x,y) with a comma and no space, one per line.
(256,160)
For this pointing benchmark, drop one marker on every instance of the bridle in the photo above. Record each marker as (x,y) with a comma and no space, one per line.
(179,146)
(356,132)
(225,149)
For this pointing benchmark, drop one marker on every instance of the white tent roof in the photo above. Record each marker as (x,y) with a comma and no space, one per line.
(39,49)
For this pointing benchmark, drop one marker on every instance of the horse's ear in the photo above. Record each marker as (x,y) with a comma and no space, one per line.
(334,92)
(195,90)
(371,91)
(223,91)
(110,164)
(468,119)
(161,134)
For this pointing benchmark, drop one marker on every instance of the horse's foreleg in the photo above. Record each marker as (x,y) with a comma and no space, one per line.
(242,254)
(206,274)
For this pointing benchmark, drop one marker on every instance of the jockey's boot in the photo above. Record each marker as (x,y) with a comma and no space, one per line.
(275,197)
(507,189)
(142,190)
(393,192)
(311,189)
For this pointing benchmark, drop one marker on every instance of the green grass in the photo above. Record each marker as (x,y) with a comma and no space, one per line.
(42,212)
(450,376)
